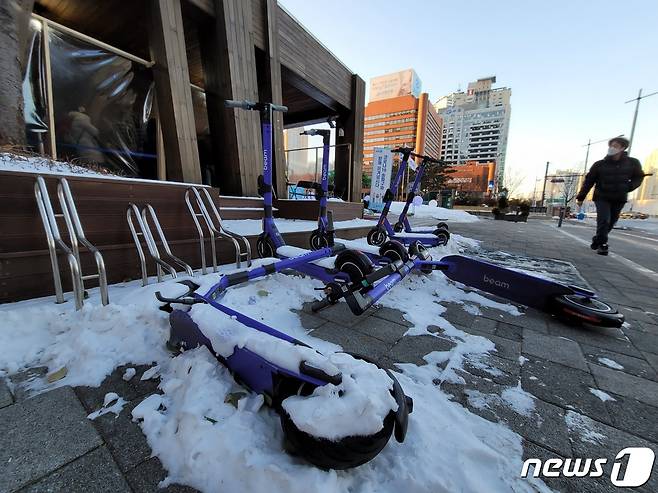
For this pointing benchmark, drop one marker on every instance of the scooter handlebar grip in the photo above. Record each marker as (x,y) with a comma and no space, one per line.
(245,105)
(279,107)
(403,150)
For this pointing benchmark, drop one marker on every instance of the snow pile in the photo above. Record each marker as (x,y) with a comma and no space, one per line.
(424,211)
(602,395)
(209,431)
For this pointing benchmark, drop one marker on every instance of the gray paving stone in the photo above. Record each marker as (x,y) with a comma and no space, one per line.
(652,359)
(650,328)
(635,314)
(502,371)
(545,424)
(456,314)
(635,417)
(309,321)
(634,366)
(484,324)
(504,347)
(626,385)
(612,339)
(22,381)
(388,332)
(341,314)
(589,438)
(533,319)
(145,478)
(124,438)
(37,436)
(6,398)
(563,386)
(411,349)
(392,315)
(92,397)
(556,349)
(352,340)
(95,471)
(509,331)
(648,343)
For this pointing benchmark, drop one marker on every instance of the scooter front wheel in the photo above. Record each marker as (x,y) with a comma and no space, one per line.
(442,225)
(443,235)
(264,247)
(376,236)
(355,264)
(318,240)
(574,308)
(398,227)
(394,250)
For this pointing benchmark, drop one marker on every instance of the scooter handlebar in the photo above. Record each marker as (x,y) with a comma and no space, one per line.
(245,105)
(428,159)
(403,150)
(250,105)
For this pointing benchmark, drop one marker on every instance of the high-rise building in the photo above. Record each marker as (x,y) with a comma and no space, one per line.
(476,124)
(401,120)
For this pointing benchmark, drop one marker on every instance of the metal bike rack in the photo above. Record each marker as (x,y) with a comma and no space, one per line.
(77,238)
(204,206)
(163,262)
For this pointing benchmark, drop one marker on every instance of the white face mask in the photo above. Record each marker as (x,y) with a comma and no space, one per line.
(613,150)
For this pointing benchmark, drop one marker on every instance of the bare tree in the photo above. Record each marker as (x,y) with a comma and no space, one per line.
(512,181)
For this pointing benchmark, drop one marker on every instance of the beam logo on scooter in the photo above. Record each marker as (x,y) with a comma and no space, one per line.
(496,282)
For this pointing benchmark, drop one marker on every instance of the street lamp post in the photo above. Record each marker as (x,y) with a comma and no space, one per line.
(543,190)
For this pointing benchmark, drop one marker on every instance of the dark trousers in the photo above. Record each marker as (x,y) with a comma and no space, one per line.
(607,214)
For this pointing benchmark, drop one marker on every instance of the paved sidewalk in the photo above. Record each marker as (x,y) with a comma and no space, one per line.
(47,444)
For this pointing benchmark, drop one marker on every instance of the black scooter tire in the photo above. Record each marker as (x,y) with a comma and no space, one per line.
(355,264)
(394,250)
(443,235)
(346,453)
(576,309)
(398,227)
(318,240)
(264,247)
(376,237)
(442,225)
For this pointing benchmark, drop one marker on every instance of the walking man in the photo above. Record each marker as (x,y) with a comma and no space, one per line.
(613,177)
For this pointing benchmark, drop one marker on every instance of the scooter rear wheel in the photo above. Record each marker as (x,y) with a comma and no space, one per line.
(443,235)
(264,247)
(346,453)
(376,236)
(574,308)
(442,225)
(394,250)
(318,240)
(398,227)
(355,264)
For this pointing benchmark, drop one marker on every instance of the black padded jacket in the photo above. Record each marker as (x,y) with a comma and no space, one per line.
(612,179)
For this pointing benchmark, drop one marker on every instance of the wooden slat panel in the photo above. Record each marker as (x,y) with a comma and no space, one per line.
(172,84)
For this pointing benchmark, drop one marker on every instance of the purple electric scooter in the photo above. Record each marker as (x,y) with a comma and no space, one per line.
(402,230)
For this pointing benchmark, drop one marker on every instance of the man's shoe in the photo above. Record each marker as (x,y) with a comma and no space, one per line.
(595,243)
(603,249)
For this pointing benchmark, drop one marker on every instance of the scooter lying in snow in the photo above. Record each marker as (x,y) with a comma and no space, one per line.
(251,366)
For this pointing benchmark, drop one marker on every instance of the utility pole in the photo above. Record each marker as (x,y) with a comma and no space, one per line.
(589,143)
(543,190)
(637,107)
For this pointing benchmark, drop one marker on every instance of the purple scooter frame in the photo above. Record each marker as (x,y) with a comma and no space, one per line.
(406,235)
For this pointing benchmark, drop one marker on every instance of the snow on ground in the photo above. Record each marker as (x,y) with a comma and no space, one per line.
(602,395)
(424,211)
(39,164)
(610,363)
(255,226)
(203,440)
(649,225)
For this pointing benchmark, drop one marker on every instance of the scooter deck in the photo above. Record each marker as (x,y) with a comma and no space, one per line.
(513,285)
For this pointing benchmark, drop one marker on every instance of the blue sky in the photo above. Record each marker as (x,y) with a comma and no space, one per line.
(570,64)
